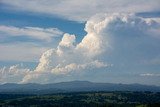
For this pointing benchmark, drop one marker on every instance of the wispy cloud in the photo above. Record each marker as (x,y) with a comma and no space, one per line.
(150,75)
(44,34)
(82,10)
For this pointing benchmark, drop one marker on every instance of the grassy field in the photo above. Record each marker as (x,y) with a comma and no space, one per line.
(83,99)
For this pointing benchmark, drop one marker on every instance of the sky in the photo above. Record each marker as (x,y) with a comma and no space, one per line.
(109,41)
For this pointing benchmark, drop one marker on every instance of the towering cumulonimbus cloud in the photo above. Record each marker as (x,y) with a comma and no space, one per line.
(108,38)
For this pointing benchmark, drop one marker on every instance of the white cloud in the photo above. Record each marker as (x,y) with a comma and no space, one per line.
(44,34)
(150,75)
(70,57)
(13,73)
(67,40)
(82,10)
(119,38)
(73,67)
(60,72)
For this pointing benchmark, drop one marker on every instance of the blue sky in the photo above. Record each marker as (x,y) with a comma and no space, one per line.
(109,41)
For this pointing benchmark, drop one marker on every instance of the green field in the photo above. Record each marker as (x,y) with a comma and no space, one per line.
(83,99)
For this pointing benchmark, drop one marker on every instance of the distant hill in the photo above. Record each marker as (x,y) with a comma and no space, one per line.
(73,86)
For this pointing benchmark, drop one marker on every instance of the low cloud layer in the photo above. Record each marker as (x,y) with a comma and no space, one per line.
(150,75)
(13,73)
(111,40)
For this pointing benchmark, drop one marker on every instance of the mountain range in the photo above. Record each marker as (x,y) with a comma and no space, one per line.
(72,86)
